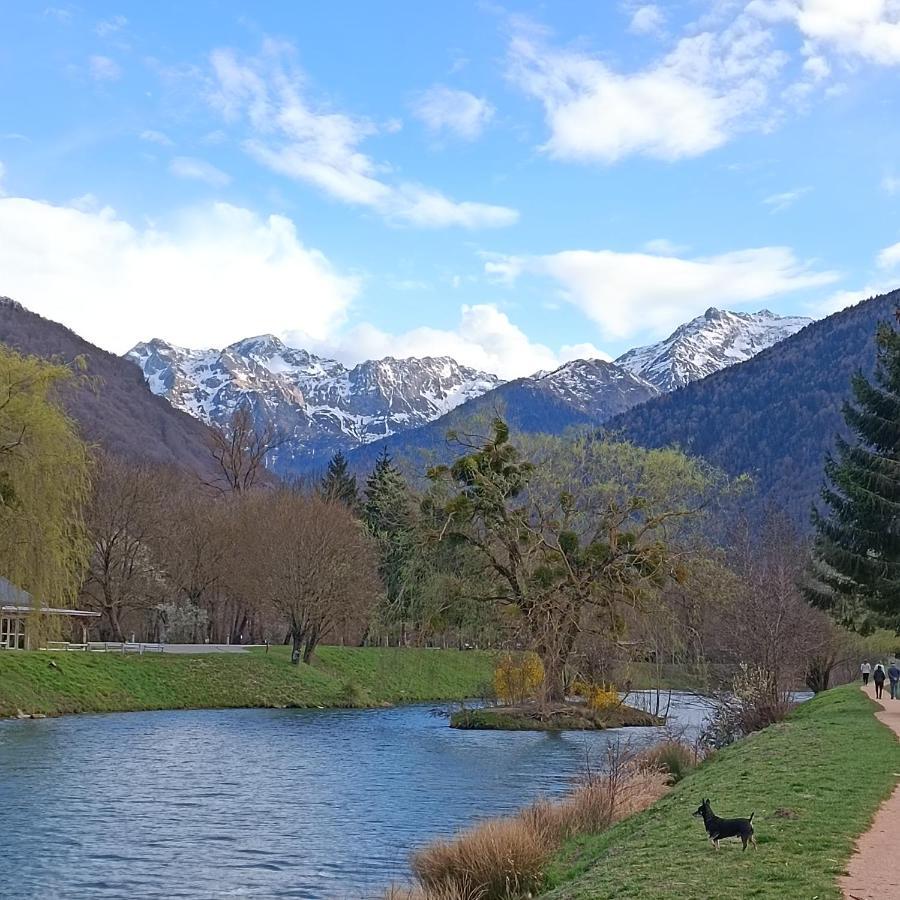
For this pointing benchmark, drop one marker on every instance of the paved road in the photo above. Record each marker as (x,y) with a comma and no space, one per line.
(207,648)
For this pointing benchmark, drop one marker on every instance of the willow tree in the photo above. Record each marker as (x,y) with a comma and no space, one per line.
(569,531)
(44,474)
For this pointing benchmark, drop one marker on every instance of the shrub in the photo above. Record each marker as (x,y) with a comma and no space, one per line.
(599,697)
(518,677)
(674,758)
(495,860)
(753,704)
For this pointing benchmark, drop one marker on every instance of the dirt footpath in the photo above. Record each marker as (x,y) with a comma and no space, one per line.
(873,872)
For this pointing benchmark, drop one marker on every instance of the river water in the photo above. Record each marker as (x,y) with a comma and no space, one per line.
(260,803)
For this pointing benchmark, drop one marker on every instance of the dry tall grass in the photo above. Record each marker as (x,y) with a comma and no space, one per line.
(506,858)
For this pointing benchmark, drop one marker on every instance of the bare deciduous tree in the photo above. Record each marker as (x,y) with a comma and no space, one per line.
(240,451)
(315,565)
(127,513)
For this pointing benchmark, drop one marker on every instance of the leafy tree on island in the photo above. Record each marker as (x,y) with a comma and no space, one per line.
(856,566)
(338,485)
(570,534)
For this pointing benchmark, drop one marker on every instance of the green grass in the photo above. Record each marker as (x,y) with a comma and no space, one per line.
(814,783)
(57,683)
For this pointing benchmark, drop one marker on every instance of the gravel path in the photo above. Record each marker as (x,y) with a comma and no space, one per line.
(873,872)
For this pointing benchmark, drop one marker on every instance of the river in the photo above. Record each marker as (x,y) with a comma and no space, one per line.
(260,803)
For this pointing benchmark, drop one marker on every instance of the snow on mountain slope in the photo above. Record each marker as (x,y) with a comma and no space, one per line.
(707,344)
(595,387)
(319,404)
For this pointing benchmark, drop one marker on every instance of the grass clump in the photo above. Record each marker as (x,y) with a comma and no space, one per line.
(814,783)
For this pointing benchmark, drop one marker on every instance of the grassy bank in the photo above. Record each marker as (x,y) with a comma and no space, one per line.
(58,683)
(814,783)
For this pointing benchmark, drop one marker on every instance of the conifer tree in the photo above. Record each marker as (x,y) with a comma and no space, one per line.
(857,550)
(338,485)
(388,514)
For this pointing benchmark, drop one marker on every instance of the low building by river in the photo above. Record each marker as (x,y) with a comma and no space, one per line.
(19,612)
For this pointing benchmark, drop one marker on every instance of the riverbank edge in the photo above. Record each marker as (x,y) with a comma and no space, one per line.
(814,783)
(41,683)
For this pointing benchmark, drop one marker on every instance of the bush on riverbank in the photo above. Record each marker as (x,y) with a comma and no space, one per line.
(508,857)
(58,683)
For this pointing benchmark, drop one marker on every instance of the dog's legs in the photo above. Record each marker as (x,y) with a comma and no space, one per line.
(753,840)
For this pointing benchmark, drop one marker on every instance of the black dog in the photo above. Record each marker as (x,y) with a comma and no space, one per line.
(717,829)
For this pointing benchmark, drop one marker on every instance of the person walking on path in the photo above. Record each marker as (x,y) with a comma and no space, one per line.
(878,677)
(866,670)
(894,676)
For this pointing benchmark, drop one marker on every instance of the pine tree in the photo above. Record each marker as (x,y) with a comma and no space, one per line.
(857,550)
(338,485)
(388,514)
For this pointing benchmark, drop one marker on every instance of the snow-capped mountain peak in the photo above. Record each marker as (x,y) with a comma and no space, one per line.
(710,342)
(319,404)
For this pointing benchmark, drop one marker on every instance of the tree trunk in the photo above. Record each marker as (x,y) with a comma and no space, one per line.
(115,624)
(553,689)
(296,653)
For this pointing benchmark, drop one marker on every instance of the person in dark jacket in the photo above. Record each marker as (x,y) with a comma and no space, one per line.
(879,677)
(894,677)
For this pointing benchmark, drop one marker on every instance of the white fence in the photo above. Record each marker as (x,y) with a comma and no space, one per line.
(106,647)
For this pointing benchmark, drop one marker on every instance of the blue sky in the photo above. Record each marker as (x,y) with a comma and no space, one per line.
(514,185)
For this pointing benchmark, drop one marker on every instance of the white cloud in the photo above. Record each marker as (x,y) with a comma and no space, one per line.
(889,258)
(2,176)
(485,339)
(842,299)
(693,100)
(629,293)
(102,68)
(199,170)
(648,19)
(664,247)
(460,113)
(156,137)
(890,184)
(786,199)
(107,27)
(869,29)
(322,147)
(209,276)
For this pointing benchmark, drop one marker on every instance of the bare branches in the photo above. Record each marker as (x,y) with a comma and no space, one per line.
(240,451)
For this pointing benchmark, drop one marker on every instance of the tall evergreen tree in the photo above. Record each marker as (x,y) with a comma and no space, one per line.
(857,549)
(388,514)
(338,485)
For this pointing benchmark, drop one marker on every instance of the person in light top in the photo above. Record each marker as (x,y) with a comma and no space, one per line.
(866,670)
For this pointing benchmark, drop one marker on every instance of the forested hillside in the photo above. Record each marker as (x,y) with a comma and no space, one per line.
(580,394)
(774,416)
(113,406)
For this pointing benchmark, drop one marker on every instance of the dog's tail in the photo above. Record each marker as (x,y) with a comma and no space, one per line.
(751,816)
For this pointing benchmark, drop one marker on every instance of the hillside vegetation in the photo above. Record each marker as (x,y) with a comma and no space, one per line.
(814,783)
(774,416)
(113,407)
(57,683)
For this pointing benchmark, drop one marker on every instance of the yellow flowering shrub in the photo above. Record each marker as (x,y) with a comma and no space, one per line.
(598,696)
(518,677)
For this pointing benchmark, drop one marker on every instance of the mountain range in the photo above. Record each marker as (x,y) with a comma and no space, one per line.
(320,406)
